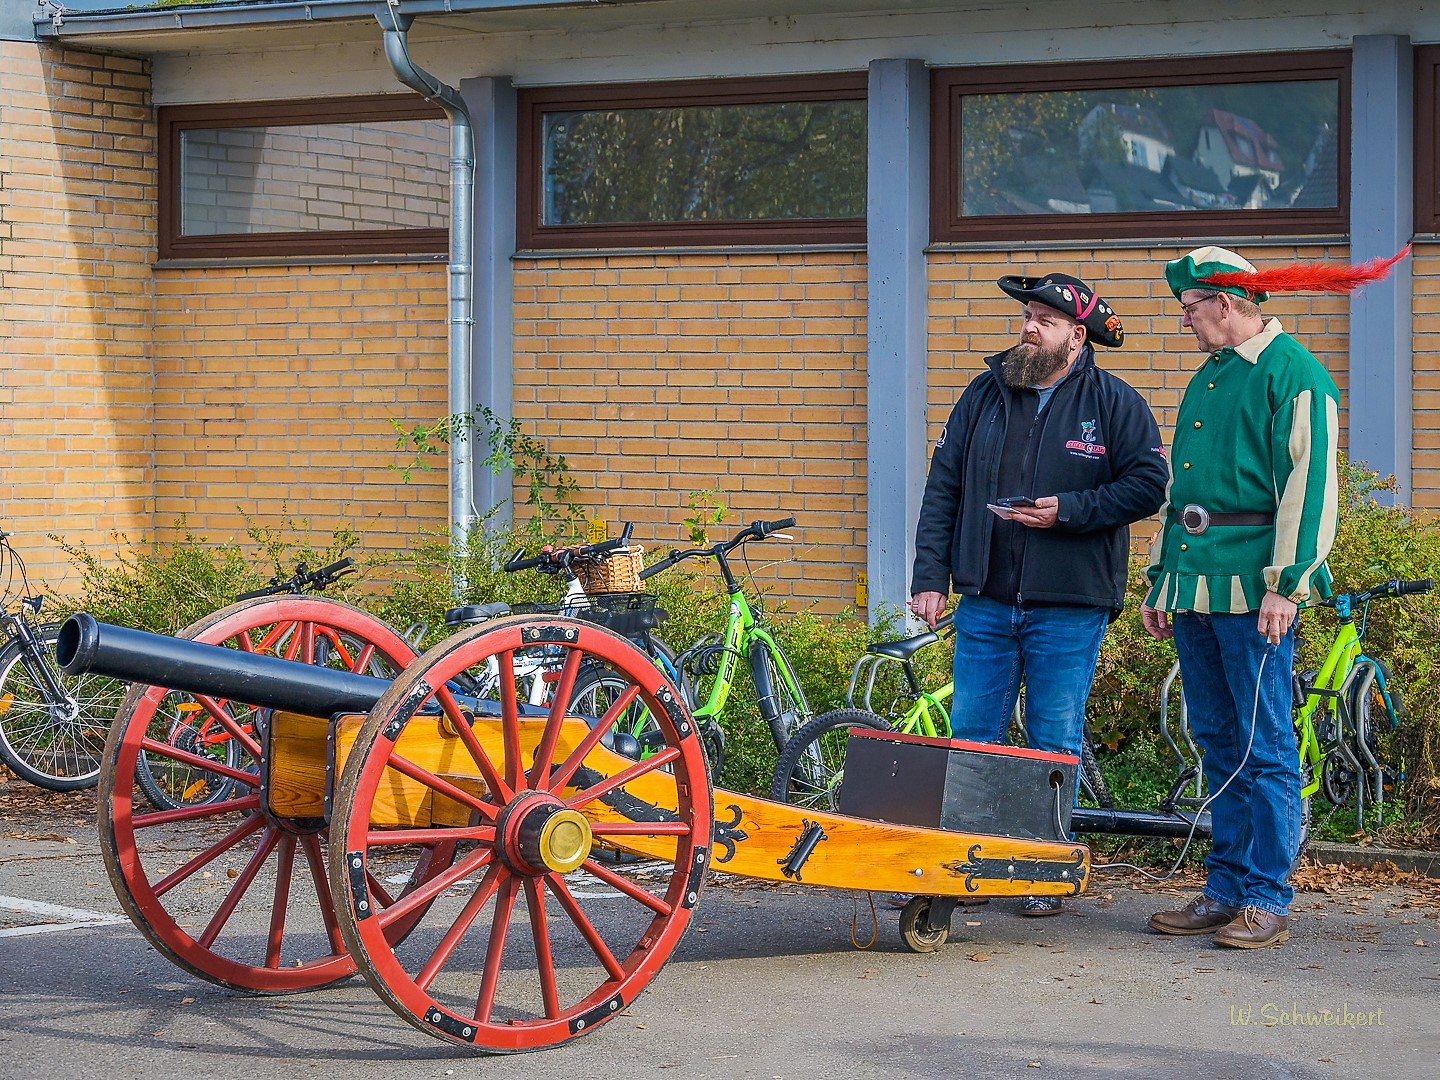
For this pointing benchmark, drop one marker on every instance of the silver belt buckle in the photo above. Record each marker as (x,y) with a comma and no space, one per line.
(1195,519)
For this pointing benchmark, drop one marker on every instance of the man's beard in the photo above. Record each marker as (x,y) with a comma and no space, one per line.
(1029,365)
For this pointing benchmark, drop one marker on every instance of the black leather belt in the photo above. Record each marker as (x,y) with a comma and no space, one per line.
(1196,519)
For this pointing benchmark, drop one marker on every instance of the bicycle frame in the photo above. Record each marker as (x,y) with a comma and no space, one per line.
(742,633)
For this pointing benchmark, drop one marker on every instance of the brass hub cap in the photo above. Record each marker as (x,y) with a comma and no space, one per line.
(540,835)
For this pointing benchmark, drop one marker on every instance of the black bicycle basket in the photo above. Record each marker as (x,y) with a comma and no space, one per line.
(630,615)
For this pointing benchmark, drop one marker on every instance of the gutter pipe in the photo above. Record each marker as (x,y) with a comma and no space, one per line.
(462,264)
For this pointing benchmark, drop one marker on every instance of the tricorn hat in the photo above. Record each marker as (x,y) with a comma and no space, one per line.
(1069,296)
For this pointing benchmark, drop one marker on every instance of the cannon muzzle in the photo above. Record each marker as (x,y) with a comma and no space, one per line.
(86,645)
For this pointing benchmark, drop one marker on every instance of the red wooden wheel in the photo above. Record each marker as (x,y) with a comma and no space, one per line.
(228,891)
(533,796)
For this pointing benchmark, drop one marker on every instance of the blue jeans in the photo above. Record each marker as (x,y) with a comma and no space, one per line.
(1053,649)
(1255,821)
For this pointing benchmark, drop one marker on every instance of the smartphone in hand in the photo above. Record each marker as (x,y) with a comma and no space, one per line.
(1006,507)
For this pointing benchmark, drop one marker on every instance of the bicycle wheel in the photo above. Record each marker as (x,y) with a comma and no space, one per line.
(786,711)
(231,891)
(536,792)
(172,782)
(57,745)
(812,765)
(1091,778)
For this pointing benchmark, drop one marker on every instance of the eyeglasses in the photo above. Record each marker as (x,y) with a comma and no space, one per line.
(1186,308)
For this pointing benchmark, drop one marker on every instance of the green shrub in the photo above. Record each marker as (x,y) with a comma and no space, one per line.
(1375,541)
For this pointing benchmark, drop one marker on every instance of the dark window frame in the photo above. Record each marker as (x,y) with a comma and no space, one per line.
(173,120)
(1427,140)
(532,234)
(949,85)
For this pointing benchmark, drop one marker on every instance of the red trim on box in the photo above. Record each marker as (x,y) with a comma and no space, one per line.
(964,744)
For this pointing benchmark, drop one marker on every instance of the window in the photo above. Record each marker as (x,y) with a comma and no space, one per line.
(713,162)
(343,176)
(1219,146)
(1427,139)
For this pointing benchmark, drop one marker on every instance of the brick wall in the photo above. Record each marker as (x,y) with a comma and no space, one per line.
(659,375)
(77,233)
(970,318)
(274,388)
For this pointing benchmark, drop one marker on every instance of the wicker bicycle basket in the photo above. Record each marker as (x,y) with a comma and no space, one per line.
(617,573)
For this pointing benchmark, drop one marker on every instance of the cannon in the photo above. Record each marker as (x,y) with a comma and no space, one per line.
(464,849)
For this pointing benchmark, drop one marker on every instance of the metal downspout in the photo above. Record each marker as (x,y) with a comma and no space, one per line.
(462,260)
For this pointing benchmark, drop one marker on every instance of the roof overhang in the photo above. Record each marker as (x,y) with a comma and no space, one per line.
(157,28)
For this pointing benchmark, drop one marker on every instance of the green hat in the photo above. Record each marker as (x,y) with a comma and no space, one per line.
(1192,271)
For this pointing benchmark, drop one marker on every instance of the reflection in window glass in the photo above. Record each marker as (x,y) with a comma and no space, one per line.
(1224,147)
(351,177)
(756,162)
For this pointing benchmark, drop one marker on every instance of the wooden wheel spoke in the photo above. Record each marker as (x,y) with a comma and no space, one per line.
(587,929)
(245,804)
(195,761)
(623,777)
(423,894)
(544,956)
(463,921)
(628,887)
(243,733)
(284,868)
(509,719)
(444,787)
(247,827)
(561,776)
(239,888)
(559,706)
(495,953)
(396,837)
(315,857)
(360,661)
(640,828)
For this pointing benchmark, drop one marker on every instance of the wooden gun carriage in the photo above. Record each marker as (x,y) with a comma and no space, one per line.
(464,852)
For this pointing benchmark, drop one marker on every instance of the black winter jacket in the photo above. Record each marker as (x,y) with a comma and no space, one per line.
(1100,452)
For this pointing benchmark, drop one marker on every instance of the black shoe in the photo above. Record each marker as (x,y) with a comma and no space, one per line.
(1041,905)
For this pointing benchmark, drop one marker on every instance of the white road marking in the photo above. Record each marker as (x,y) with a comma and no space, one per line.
(58,918)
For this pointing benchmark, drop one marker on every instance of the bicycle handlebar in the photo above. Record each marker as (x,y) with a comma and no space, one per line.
(756,530)
(1393,587)
(548,562)
(303,579)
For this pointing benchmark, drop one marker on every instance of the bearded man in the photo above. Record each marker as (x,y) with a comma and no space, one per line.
(1043,465)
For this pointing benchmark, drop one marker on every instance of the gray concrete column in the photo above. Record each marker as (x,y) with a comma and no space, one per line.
(1382,207)
(492,107)
(897,230)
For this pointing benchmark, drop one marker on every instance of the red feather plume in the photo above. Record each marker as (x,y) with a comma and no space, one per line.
(1308,277)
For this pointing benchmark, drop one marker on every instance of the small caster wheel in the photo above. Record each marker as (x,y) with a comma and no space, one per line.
(915,929)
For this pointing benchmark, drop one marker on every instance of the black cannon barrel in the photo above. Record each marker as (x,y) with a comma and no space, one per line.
(88,645)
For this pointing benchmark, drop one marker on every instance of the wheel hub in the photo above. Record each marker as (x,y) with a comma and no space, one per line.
(541,835)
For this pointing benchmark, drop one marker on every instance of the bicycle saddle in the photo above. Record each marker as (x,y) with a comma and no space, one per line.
(903,650)
(475,613)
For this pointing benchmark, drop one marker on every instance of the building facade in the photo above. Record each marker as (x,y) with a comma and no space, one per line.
(702,248)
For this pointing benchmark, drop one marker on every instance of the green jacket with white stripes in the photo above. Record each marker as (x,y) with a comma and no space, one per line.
(1257,432)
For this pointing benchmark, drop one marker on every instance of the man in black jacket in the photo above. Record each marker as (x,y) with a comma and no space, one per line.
(1044,463)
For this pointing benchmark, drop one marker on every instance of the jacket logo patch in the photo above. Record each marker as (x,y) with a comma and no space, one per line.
(1086,444)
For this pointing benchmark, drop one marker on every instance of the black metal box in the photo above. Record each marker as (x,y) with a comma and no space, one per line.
(959,785)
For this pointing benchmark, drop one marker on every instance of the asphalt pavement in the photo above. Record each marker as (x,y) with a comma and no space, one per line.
(766,984)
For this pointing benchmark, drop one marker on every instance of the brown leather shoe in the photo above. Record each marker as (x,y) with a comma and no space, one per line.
(1201,916)
(1253,928)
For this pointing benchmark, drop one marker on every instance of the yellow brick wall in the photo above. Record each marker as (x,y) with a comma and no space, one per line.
(77,233)
(1425,462)
(276,384)
(659,375)
(970,318)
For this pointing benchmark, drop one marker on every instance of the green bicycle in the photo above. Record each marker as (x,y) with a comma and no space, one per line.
(1341,709)
(744,640)
(811,769)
